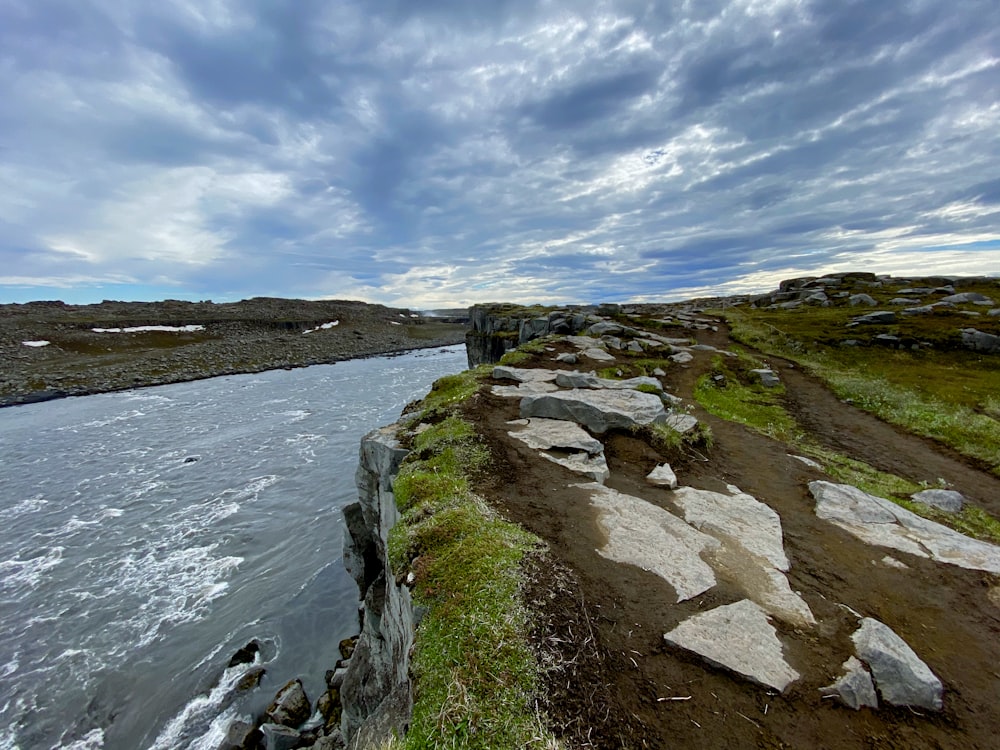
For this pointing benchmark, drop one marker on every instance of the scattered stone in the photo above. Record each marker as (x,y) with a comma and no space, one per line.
(966,297)
(807,461)
(995,312)
(590,380)
(605,328)
(861,299)
(892,562)
(817,298)
(887,339)
(768,378)
(922,310)
(905,301)
(980,342)
(662,476)
(567,357)
(598,354)
(883,317)
(855,688)
(649,537)
(245,655)
(737,637)
(902,678)
(681,358)
(291,706)
(346,647)
(659,372)
(585,453)
(524,389)
(597,410)
(681,423)
(523,374)
(635,346)
(948,500)
(612,342)
(876,520)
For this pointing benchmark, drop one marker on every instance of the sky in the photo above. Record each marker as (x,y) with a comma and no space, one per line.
(438,153)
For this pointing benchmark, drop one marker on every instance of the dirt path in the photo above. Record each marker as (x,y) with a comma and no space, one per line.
(617,684)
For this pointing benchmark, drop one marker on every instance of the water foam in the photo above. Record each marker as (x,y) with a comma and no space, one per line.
(17,574)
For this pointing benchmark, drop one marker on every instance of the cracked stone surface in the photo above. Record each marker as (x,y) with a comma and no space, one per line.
(878,521)
(598,411)
(854,688)
(575,448)
(902,678)
(737,637)
(642,534)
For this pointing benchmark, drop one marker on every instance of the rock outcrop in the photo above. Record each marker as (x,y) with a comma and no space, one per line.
(496,329)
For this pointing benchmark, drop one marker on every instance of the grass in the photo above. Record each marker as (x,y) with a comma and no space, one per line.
(737,398)
(450,391)
(475,677)
(945,395)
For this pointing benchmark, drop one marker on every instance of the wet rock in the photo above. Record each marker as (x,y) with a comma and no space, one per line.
(239,734)
(855,687)
(737,637)
(279,737)
(598,411)
(245,655)
(649,537)
(291,706)
(332,741)
(876,520)
(250,679)
(662,476)
(328,706)
(948,500)
(902,678)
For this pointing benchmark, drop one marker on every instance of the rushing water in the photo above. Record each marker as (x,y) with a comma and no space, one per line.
(146,535)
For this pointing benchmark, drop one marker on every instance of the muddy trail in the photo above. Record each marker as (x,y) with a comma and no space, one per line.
(613,681)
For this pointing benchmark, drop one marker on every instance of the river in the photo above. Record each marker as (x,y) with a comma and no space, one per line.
(147,535)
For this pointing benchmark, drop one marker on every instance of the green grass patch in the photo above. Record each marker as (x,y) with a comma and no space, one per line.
(750,404)
(475,677)
(450,391)
(515,357)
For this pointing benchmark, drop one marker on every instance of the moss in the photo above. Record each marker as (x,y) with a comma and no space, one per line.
(515,357)
(648,388)
(450,391)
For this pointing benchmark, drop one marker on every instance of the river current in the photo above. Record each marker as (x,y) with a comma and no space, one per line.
(147,535)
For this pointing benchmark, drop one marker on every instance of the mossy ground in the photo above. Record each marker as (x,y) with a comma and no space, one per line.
(475,677)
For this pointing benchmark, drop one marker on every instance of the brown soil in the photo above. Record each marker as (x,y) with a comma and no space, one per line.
(614,683)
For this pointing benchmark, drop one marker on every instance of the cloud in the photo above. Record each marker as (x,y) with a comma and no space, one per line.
(439,153)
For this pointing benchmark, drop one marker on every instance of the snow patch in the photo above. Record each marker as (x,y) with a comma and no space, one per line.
(144,329)
(36,343)
(324,326)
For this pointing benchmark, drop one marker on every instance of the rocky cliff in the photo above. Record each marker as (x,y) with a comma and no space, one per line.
(376,693)
(496,328)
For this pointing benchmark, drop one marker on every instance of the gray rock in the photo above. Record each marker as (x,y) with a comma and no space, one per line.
(737,637)
(768,378)
(680,422)
(662,476)
(681,358)
(922,310)
(948,500)
(905,301)
(861,299)
(876,520)
(524,374)
(605,327)
(649,537)
(892,562)
(524,389)
(598,355)
(635,346)
(279,737)
(902,678)
(597,410)
(887,339)
(333,741)
(855,687)
(590,380)
(807,461)
(980,342)
(585,453)
(567,357)
(290,707)
(659,372)
(752,552)
(994,313)
(816,298)
(883,317)
(612,342)
(968,297)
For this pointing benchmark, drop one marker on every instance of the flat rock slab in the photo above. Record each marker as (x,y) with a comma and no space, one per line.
(642,534)
(752,551)
(524,389)
(681,422)
(737,637)
(876,520)
(855,687)
(902,678)
(598,411)
(524,374)
(590,380)
(576,449)
(598,355)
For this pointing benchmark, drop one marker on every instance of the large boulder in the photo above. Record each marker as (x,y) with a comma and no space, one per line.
(524,374)
(902,678)
(290,707)
(968,297)
(947,500)
(597,410)
(737,637)
(573,447)
(576,379)
(856,300)
(883,317)
(979,341)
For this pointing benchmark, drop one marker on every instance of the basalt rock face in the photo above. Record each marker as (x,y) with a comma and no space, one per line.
(496,329)
(376,692)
